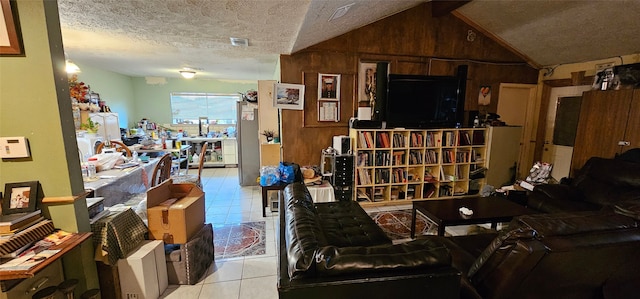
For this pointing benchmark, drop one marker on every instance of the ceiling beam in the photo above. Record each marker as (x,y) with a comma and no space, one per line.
(441,8)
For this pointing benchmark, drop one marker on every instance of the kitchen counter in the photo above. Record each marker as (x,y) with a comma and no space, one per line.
(222,151)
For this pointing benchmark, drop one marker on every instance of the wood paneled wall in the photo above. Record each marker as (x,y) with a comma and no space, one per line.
(413,42)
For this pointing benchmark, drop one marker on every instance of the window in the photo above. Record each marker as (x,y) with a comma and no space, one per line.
(187,108)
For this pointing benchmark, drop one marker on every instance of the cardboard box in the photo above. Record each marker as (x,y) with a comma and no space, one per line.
(143,274)
(175,222)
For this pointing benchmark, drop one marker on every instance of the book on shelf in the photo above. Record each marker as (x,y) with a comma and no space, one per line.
(411,191)
(429,190)
(398,140)
(364,177)
(395,193)
(382,140)
(465,139)
(12,222)
(431,140)
(378,194)
(362,196)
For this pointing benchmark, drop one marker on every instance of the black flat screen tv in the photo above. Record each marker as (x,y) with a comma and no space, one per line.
(419,101)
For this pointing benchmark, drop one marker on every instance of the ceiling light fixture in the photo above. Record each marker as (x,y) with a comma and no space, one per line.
(340,12)
(71,67)
(188,74)
(239,42)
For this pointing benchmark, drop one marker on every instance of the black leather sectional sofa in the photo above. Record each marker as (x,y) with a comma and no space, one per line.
(584,244)
(335,250)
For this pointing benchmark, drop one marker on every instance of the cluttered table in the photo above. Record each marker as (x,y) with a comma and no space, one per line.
(118,185)
(181,153)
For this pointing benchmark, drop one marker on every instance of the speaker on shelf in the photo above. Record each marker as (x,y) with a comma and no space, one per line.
(380,106)
(342,144)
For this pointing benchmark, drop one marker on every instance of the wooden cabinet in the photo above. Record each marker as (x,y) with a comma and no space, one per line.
(397,166)
(503,151)
(220,151)
(229,151)
(609,124)
(109,125)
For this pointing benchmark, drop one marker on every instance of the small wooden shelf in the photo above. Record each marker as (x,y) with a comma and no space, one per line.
(64,247)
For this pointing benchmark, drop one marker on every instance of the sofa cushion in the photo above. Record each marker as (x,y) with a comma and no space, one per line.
(345,223)
(563,224)
(420,253)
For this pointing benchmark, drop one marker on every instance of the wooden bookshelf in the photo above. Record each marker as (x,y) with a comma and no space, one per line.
(397,166)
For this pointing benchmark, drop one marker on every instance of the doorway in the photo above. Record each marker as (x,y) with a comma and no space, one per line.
(516,107)
(557,154)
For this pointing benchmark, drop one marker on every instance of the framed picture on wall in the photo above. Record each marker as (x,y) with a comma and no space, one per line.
(366,82)
(329,87)
(10,35)
(288,96)
(20,197)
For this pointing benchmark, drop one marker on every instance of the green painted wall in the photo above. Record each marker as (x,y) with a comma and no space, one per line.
(115,89)
(34,102)
(152,101)
(29,107)
(133,98)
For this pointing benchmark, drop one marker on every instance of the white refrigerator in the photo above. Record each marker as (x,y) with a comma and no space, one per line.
(248,144)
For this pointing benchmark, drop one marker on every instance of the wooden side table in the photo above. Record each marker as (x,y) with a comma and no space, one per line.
(265,189)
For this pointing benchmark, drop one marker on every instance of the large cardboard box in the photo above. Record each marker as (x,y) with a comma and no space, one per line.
(175,212)
(143,274)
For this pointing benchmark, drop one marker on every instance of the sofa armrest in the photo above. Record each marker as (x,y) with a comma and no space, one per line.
(553,198)
(558,191)
(420,253)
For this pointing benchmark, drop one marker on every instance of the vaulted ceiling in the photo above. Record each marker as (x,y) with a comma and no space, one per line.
(156,38)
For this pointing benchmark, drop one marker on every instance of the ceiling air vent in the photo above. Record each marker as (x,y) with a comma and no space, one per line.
(340,12)
(239,42)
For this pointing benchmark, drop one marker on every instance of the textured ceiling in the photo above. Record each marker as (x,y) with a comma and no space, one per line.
(556,32)
(156,38)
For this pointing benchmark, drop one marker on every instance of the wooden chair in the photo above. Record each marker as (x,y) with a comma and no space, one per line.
(117,146)
(193,178)
(162,171)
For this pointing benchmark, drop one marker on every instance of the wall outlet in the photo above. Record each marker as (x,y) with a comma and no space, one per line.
(603,66)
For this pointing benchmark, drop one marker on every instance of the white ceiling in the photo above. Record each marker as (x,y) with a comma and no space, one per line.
(156,38)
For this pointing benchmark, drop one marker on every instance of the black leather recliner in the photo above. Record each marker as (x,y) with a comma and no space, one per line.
(600,182)
(586,255)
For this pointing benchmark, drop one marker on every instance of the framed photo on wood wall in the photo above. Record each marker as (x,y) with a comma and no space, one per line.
(329,87)
(366,81)
(10,34)
(288,96)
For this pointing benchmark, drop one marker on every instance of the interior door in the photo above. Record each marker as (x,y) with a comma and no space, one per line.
(516,107)
(602,124)
(559,155)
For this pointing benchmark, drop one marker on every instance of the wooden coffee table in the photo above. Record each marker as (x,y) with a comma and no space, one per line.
(445,212)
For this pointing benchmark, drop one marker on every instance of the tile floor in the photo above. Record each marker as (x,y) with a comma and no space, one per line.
(241,277)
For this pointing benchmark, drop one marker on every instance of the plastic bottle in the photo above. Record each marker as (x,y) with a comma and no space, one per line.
(134,157)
